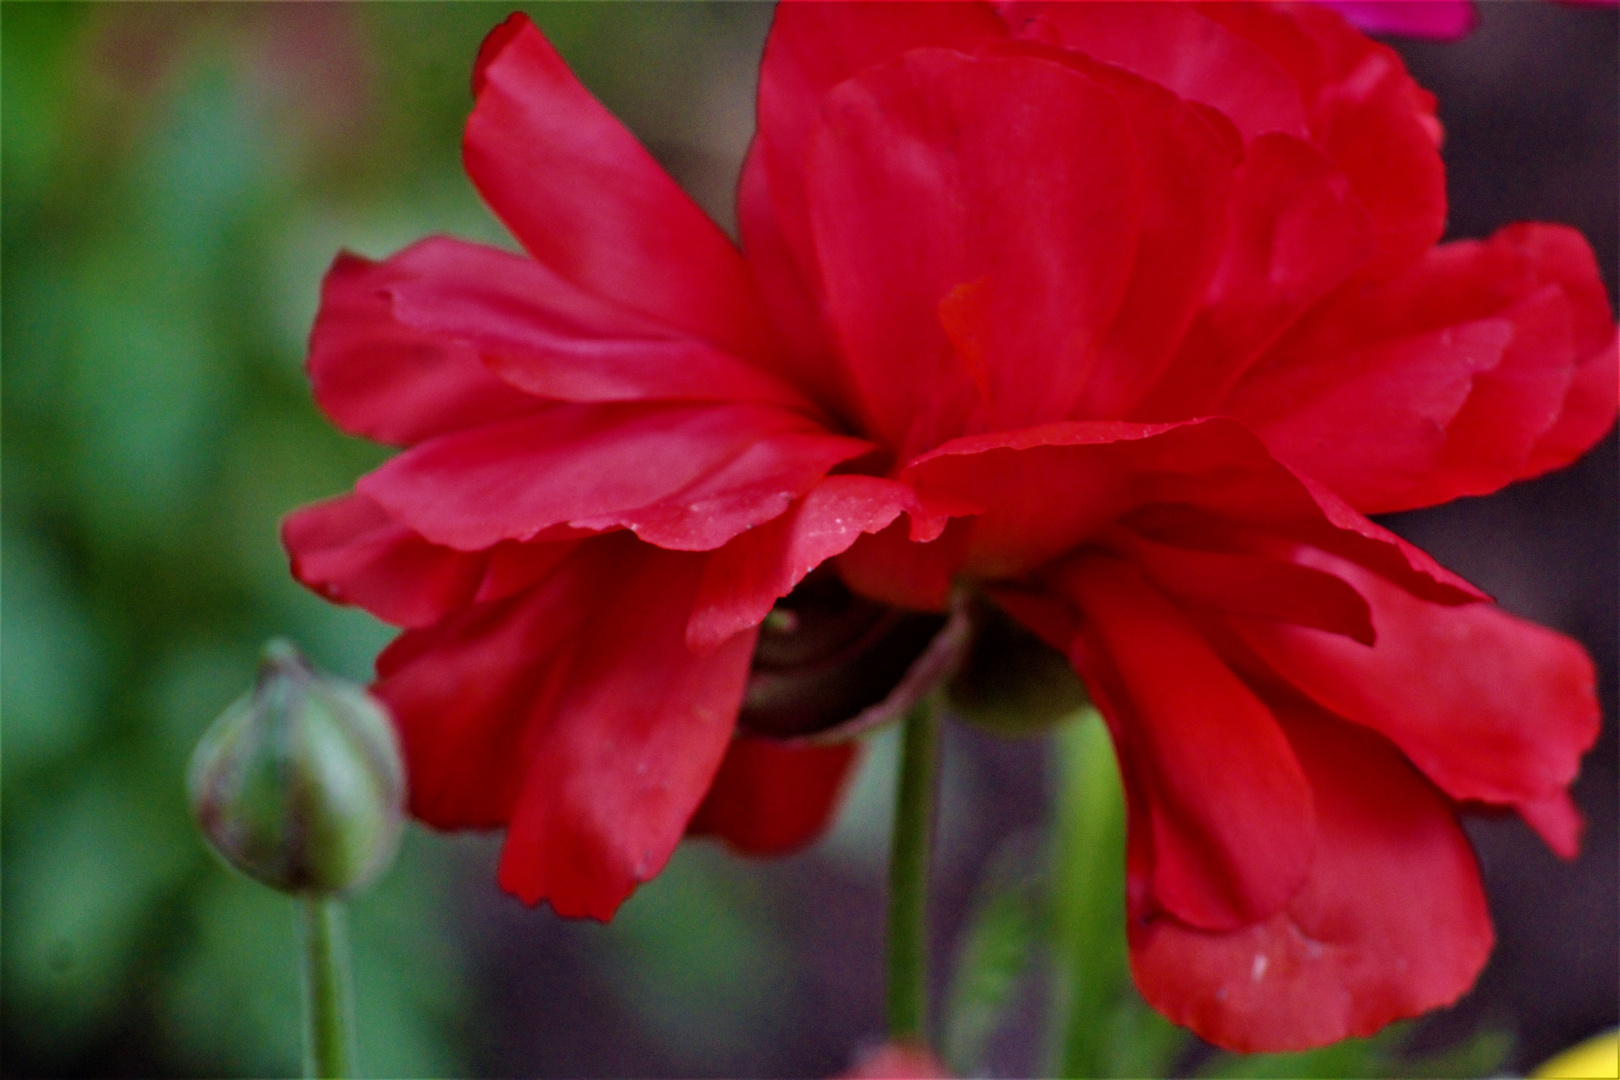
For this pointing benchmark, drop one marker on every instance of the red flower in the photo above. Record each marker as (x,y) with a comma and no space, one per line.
(1121,316)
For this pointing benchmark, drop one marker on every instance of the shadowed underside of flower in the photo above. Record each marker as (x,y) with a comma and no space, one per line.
(1119,318)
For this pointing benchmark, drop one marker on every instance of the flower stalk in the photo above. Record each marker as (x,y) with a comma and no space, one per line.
(328,994)
(301,786)
(909,860)
(1088,895)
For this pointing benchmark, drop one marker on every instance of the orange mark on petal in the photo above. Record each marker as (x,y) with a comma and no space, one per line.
(963,314)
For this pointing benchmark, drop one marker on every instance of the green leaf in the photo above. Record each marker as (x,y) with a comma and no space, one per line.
(1002,932)
(1377,1056)
(1349,1058)
(1140,1041)
(1485,1054)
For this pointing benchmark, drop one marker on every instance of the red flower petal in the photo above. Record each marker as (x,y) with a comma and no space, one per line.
(375,376)
(463,690)
(350,551)
(588,201)
(930,176)
(1226,808)
(1391,921)
(550,338)
(574,713)
(1366,114)
(1216,471)
(1249,584)
(811,49)
(1294,233)
(1557,820)
(683,476)
(893,567)
(1187,157)
(1588,412)
(1178,47)
(1443,381)
(1300,72)
(745,578)
(1372,424)
(769,798)
(1489,706)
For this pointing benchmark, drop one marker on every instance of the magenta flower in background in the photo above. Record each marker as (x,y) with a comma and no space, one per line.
(1445,20)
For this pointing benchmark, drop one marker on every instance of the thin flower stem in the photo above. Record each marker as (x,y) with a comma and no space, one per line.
(1088,902)
(909,857)
(328,1009)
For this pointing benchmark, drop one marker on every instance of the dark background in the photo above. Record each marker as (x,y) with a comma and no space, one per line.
(175,180)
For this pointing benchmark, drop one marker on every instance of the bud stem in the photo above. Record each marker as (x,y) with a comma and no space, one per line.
(328,1008)
(909,857)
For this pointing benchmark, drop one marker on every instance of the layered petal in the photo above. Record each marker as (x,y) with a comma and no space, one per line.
(1588,412)
(1489,706)
(1209,478)
(588,201)
(770,798)
(1366,113)
(1293,233)
(749,574)
(1186,157)
(1249,583)
(974,250)
(1178,47)
(1453,379)
(377,377)
(681,475)
(1390,922)
(551,338)
(811,49)
(350,551)
(573,713)
(1302,72)
(1222,803)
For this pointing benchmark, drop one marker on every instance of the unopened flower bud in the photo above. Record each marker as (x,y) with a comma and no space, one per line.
(300,783)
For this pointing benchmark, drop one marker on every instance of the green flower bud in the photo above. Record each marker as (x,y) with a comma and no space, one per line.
(300,783)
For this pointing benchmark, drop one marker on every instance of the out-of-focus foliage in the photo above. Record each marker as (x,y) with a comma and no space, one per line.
(176,180)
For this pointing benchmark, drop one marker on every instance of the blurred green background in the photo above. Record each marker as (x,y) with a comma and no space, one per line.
(176,179)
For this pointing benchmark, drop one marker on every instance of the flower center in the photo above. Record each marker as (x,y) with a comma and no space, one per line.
(825,655)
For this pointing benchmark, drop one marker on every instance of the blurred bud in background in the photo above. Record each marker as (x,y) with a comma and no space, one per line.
(898,1061)
(299,783)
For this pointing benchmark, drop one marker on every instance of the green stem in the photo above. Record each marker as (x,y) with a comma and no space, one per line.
(1088,891)
(909,855)
(328,1010)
